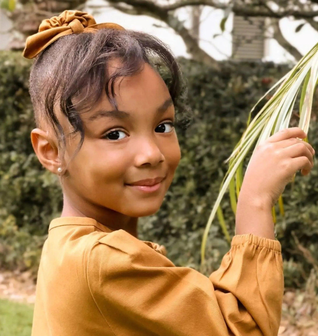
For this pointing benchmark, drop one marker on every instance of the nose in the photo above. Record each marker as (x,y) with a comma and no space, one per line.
(148,153)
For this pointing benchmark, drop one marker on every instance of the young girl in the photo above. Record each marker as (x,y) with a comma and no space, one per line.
(105,125)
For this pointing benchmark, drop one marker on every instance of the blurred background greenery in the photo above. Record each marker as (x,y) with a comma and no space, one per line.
(30,196)
(228,44)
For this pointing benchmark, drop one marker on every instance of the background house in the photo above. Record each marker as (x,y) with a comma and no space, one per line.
(5,26)
(242,39)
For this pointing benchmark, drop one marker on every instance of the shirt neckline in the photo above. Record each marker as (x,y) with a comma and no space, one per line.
(87,221)
(77,221)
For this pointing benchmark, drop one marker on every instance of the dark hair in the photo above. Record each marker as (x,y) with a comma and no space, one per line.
(76,66)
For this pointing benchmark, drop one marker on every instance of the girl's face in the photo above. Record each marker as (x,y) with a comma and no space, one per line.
(129,156)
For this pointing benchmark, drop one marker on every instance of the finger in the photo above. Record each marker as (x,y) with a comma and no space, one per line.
(302,163)
(294,132)
(306,171)
(298,150)
(294,141)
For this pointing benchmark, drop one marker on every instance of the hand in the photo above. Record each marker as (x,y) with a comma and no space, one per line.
(274,164)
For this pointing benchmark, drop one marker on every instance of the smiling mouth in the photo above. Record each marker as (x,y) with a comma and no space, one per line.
(147,186)
(147,182)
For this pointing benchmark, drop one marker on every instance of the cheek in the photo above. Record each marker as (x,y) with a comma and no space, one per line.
(173,155)
(95,164)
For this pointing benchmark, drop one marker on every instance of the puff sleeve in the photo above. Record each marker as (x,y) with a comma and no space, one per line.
(139,292)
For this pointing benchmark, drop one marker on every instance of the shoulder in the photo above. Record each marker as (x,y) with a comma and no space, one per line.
(121,247)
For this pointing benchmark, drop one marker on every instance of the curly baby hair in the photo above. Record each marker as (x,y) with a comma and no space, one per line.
(71,74)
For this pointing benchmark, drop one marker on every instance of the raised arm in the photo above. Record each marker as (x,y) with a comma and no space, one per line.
(140,292)
(272,166)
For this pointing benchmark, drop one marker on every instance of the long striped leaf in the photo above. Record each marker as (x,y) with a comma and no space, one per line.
(274,116)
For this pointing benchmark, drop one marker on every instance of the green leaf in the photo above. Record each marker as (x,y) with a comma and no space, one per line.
(8,5)
(299,27)
(233,195)
(281,206)
(11,5)
(273,117)
(239,179)
(222,24)
(3,4)
(303,92)
(227,13)
(223,225)
(274,215)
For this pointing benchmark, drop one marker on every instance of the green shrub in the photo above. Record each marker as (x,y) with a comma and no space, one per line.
(30,196)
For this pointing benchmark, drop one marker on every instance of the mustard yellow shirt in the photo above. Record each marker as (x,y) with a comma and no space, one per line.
(96,282)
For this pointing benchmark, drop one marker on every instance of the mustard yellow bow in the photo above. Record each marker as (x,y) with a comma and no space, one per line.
(68,22)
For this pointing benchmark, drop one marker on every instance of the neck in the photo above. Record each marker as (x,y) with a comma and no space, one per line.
(107,217)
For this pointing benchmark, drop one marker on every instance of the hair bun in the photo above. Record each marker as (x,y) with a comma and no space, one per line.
(68,22)
(75,20)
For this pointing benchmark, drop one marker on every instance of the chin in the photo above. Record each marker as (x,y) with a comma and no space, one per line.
(142,211)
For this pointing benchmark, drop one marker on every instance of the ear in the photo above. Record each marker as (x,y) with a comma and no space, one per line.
(46,149)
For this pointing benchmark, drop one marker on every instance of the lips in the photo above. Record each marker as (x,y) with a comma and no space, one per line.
(147,182)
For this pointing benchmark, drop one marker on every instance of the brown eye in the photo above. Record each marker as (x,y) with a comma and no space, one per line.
(115,135)
(164,127)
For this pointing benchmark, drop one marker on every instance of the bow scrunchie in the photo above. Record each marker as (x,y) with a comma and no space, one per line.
(68,22)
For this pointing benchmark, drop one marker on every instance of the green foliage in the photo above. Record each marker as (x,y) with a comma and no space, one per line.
(8,5)
(16,318)
(30,197)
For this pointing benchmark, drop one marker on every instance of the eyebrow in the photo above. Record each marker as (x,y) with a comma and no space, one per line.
(123,115)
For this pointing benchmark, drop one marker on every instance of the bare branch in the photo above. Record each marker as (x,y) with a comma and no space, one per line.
(313,23)
(156,11)
(241,9)
(191,43)
(145,7)
(279,37)
(195,21)
(126,10)
(186,3)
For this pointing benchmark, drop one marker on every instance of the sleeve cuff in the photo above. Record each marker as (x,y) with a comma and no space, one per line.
(255,240)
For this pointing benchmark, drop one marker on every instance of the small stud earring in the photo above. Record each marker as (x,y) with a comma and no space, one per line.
(59,170)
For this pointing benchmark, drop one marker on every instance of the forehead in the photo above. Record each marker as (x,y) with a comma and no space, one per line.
(142,90)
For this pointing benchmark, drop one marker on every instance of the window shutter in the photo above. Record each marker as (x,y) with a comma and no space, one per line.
(248,38)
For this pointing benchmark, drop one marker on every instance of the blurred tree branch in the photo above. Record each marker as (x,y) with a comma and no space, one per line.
(28,15)
(252,8)
(274,10)
(142,7)
(279,37)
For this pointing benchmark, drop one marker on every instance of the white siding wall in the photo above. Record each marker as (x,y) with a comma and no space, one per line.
(248,38)
(5,26)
